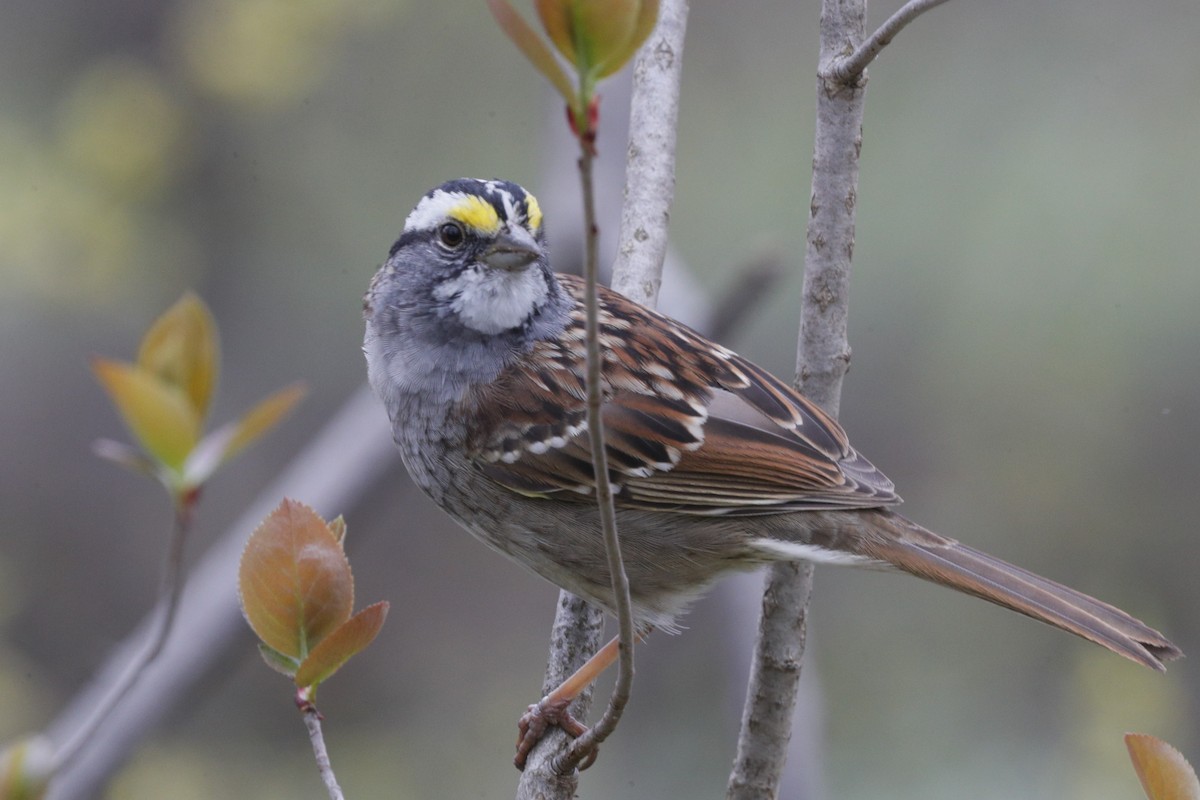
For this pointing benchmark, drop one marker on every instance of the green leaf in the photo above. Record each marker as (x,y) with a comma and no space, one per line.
(277,660)
(223,444)
(337,526)
(341,645)
(1165,774)
(294,580)
(535,50)
(158,415)
(181,349)
(25,769)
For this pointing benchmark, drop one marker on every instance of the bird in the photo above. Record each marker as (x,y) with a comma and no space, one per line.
(477,350)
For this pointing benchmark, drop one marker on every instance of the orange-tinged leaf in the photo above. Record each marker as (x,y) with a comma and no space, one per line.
(647,17)
(529,43)
(294,580)
(341,645)
(1165,774)
(555,16)
(181,349)
(230,439)
(264,416)
(158,415)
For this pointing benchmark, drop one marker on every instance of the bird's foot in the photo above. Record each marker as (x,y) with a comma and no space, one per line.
(538,719)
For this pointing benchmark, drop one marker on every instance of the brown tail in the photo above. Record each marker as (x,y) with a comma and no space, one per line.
(911,548)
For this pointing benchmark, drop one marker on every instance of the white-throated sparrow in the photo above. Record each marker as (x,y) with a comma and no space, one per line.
(476,348)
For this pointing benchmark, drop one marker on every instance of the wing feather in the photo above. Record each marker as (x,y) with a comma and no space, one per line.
(690,426)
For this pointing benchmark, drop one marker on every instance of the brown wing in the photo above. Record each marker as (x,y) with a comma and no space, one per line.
(690,426)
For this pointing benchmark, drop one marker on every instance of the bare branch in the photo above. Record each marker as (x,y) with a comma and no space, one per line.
(774,678)
(755,282)
(847,69)
(823,356)
(576,634)
(650,158)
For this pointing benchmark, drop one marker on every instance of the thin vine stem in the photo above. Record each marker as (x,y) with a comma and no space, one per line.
(622,606)
(168,604)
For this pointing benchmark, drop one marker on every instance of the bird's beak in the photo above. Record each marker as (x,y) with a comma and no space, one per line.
(514,250)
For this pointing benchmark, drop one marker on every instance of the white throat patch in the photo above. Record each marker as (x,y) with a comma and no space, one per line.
(492,301)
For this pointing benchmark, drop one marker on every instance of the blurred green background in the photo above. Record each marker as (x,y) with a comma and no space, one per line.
(1026,369)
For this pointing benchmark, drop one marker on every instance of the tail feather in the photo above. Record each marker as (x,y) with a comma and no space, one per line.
(927,555)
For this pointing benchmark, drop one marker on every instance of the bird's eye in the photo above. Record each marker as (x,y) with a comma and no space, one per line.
(451,234)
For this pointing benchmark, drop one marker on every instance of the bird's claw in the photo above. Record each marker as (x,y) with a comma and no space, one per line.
(537,719)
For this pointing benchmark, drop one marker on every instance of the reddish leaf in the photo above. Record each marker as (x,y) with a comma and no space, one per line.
(1165,774)
(342,644)
(528,42)
(294,580)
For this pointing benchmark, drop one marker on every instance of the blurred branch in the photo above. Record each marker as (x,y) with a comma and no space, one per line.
(847,69)
(338,466)
(752,284)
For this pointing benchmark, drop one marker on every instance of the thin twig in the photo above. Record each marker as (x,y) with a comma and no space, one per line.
(649,192)
(168,603)
(847,69)
(622,606)
(312,721)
